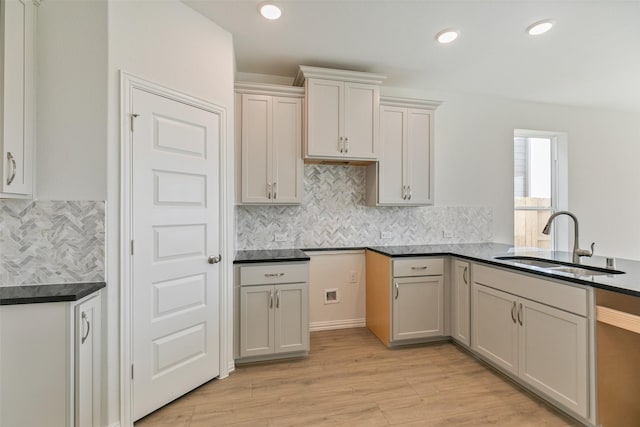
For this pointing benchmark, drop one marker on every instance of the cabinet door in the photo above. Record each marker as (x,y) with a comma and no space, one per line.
(361,120)
(17,26)
(87,370)
(495,329)
(287,150)
(391,165)
(292,318)
(256,320)
(256,148)
(553,354)
(417,307)
(460,302)
(418,166)
(325,105)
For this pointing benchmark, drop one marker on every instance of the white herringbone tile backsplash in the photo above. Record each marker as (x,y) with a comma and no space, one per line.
(334,214)
(45,242)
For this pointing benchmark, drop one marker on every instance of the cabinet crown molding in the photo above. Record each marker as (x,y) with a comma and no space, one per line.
(269,89)
(306,72)
(393,101)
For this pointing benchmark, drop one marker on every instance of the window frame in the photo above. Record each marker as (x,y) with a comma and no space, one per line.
(556,202)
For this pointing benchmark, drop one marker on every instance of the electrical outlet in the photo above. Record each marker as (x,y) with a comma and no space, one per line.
(386,235)
(447,234)
(280,237)
(353,277)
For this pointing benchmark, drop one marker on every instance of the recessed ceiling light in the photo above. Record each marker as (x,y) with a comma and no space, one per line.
(270,11)
(447,36)
(540,27)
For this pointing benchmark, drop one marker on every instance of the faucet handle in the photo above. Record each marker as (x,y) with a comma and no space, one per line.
(584,252)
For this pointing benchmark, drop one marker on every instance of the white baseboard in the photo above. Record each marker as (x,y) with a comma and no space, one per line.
(232,366)
(337,324)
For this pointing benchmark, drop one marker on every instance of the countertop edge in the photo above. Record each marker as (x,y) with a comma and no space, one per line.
(57,292)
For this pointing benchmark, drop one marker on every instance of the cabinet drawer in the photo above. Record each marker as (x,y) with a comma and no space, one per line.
(274,273)
(417,267)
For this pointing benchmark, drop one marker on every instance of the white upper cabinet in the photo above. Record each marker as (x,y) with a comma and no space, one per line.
(270,144)
(404,173)
(341,114)
(17,52)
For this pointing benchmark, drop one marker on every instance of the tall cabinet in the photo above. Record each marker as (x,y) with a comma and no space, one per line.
(269,142)
(17,94)
(404,174)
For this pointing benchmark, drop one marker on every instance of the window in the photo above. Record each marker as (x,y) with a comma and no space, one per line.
(535,188)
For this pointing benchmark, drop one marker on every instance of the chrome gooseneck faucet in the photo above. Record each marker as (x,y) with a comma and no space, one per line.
(577,252)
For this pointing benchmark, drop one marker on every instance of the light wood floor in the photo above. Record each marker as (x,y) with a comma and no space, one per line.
(351,379)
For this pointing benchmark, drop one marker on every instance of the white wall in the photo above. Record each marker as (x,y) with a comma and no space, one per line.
(167,43)
(474,163)
(332,270)
(71,82)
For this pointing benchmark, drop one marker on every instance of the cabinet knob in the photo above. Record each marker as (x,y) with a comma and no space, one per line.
(214,259)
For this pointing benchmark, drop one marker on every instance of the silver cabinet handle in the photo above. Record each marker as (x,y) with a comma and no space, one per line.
(423,267)
(12,162)
(410,192)
(214,259)
(404,192)
(341,145)
(273,274)
(464,275)
(278,298)
(86,335)
(520,315)
(271,299)
(397,290)
(269,190)
(346,142)
(274,191)
(513,312)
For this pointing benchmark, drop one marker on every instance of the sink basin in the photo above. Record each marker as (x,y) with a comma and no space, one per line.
(536,262)
(559,266)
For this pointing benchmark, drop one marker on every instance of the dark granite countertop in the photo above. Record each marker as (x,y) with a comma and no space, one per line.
(628,283)
(29,294)
(270,255)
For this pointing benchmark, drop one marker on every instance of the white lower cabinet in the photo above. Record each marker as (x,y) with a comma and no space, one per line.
(417,307)
(545,347)
(460,300)
(273,319)
(417,299)
(50,364)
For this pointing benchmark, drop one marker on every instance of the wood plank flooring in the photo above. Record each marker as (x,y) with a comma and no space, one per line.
(351,379)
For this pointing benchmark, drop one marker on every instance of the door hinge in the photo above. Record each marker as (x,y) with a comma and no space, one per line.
(132,247)
(132,117)
(131,371)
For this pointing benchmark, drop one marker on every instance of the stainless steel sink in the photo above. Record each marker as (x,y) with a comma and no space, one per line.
(559,266)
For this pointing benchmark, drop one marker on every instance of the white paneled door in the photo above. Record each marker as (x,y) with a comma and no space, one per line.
(175,228)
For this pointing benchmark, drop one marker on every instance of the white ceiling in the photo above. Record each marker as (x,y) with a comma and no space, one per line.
(590,58)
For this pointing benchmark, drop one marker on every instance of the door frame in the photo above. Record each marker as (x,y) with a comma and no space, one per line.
(129,82)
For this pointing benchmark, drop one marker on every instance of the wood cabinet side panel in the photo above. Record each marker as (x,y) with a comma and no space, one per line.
(377,295)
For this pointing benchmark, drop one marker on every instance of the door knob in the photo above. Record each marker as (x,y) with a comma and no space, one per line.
(214,259)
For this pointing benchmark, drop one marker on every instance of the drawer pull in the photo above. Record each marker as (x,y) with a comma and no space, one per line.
(397,290)
(273,274)
(464,275)
(424,267)
(513,312)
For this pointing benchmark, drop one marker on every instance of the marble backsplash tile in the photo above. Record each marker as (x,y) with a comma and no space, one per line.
(334,214)
(43,242)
